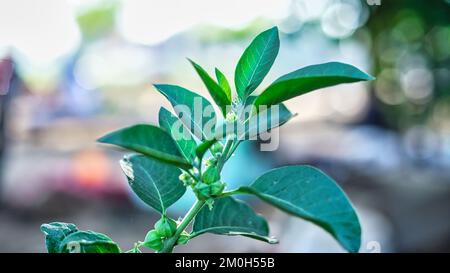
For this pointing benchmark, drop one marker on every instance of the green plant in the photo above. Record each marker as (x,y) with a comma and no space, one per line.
(169,161)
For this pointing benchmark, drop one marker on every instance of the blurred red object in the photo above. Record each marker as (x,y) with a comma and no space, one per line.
(91,169)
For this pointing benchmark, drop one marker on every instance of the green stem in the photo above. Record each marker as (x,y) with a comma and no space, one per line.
(229,193)
(231,152)
(170,243)
(223,158)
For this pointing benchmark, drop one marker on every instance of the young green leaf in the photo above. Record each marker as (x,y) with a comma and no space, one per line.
(256,62)
(231,217)
(155,183)
(183,139)
(55,233)
(223,82)
(148,140)
(215,90)
(308,79)
(308,193)
(189,107)
(88,242)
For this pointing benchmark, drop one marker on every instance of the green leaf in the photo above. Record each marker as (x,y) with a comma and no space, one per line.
(308,79)
(215,90)
(256,62)
(155,183)
(254,125)
(183,139)
(223,82)
(148,140)
(195,111)
(88,242)
(268,119)
(231,217)
(308,193)
(55,233)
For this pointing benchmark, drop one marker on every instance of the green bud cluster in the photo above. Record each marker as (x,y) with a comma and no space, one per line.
(205,191)
(210,185)
(164,228)
(153,240)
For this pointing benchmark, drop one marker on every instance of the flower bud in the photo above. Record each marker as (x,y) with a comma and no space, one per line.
(211,175)
(202,191)
(165,227)
(216,188)
(153,240)
(210,162)
(184,176)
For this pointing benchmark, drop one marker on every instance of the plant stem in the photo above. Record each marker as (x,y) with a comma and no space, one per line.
(229,193)
(170,243)
(223,158)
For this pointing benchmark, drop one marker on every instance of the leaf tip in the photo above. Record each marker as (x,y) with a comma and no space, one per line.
(104,138)
(191,61)
(272,240)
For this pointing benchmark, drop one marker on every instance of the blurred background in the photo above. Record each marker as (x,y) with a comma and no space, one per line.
(71,71)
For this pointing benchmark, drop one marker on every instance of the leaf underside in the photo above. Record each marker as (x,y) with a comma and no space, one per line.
(155,183)
(308,193)
(64,237)
(231,217)
(88,242)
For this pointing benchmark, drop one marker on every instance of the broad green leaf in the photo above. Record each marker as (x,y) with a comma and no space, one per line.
(223,82)
(148,140)
(155,183)
(88,242)
(215,90)
(256,62)
(254,125)
(174,126)
(308,79)
(231,217)
(308,193)
(195,111)
(55,234)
